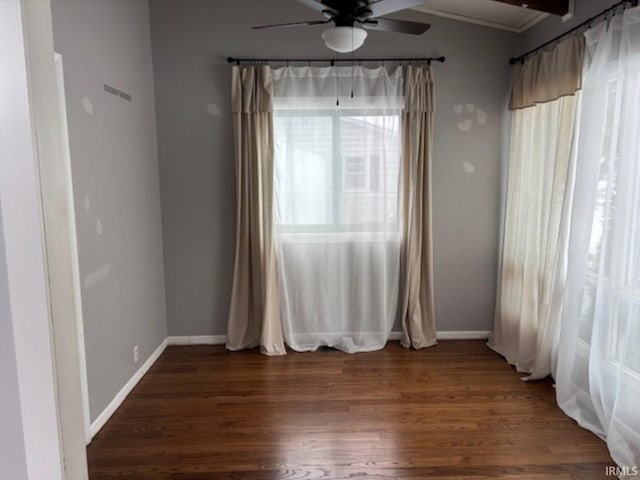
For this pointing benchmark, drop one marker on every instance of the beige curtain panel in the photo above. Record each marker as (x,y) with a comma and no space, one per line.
(254,314)
(538,208)
(549,75)
(418,313)
(533,269)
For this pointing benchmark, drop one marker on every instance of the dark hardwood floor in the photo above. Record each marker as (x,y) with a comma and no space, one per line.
(453,411)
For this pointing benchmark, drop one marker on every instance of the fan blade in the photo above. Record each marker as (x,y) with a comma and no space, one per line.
(385,7)
(293,24)
(399,26)
(318,5)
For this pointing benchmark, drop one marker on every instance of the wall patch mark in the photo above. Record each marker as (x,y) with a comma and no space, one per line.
(214,110)
(469,168)
(471,115)
(482,116)
(87,105)
(465,126)
(98,276)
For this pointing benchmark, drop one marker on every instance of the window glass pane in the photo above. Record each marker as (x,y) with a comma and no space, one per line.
(632,355)
(613,336)
(587,313)
(374,172)
(304,164)
(607,190)
(356,176)
(370,148)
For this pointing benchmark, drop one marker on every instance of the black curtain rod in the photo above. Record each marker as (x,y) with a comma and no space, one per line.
(332,61)
(589,22)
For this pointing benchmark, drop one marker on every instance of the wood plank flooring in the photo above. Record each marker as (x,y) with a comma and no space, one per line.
(455,411)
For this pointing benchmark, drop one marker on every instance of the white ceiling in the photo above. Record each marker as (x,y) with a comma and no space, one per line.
(485,12)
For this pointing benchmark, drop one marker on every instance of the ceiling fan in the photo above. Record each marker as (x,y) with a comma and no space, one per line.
(351,17)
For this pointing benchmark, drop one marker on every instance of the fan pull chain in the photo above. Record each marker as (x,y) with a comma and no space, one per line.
(337,89)
(353,68)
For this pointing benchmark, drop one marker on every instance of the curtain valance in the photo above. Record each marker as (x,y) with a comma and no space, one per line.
(319,88)
(549,75)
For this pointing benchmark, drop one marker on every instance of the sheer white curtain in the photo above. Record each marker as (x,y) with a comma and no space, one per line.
(337,226)
(598,370)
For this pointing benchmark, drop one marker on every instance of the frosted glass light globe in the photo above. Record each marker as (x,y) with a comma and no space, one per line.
(344,39)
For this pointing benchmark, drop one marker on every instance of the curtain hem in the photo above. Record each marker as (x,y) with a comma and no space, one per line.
(418,345)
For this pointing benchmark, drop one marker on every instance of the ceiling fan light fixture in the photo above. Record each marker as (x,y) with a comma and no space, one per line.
(344,39)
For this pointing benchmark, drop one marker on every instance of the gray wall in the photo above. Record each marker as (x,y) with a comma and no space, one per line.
(553,25)
(116,185)
(12,453)
(192,38)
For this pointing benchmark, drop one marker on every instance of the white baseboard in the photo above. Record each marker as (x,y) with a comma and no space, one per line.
(198,340)
(451,335)
(126,390)
(464,335)
(394,336)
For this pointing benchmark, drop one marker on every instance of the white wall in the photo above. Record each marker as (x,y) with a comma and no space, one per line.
(116,187)
(26,298)
(12,454)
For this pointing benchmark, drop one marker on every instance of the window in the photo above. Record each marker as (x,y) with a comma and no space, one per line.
(612,277)
(337,171)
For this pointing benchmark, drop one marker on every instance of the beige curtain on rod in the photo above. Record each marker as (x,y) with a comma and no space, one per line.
(254,314)
(418,313)
(538,207)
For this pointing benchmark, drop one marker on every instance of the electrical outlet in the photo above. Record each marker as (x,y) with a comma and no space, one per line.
(135,354)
